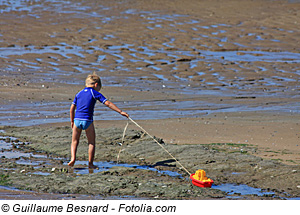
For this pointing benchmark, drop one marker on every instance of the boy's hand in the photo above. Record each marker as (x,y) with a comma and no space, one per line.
(124,114)
(72,125)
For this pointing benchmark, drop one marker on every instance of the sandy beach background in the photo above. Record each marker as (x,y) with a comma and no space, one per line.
(190,72)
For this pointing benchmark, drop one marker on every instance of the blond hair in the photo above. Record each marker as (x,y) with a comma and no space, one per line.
(93,79)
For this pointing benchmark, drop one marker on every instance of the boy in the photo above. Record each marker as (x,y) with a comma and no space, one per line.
(84,104)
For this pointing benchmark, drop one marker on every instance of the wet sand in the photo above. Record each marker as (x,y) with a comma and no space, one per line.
(189,72)
(37,161)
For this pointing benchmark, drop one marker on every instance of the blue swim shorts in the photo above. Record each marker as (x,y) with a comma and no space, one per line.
(82,124)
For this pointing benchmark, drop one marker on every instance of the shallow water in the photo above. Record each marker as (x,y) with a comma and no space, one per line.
(103,166)
(241,189)
(236,191)
(198,69)
(39,113)
(252,56)
(34,159)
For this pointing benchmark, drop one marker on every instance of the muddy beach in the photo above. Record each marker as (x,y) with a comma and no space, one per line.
(143,171)
(218,82)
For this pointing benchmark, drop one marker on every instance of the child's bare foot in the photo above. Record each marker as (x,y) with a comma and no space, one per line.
(71,163)
(92,166)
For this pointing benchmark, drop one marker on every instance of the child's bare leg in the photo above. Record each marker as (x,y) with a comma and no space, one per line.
(91,136)
(75,141)
(92,155)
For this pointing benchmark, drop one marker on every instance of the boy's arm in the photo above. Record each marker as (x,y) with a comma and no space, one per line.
(115,108)
(72,114)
